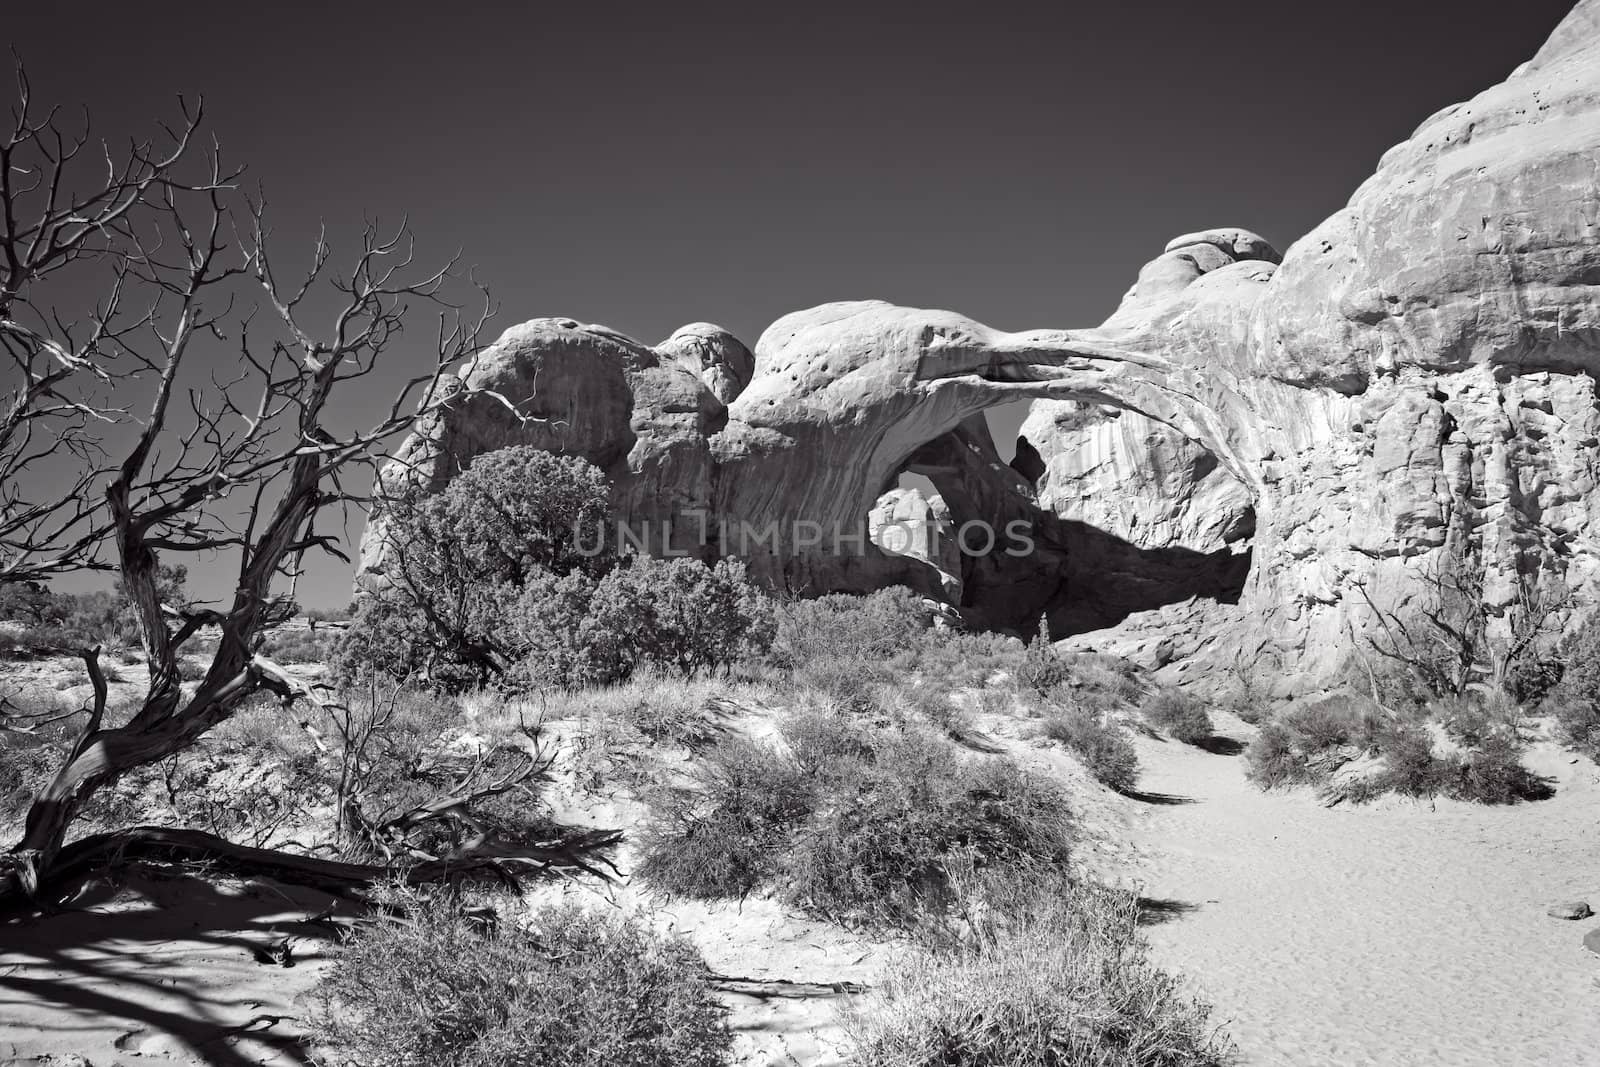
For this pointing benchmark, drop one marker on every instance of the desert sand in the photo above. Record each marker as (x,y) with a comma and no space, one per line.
(1396,934)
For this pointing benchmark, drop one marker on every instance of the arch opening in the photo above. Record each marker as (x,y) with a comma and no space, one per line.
(1122,514)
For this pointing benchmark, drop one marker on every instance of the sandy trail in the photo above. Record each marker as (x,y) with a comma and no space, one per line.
(1395,934)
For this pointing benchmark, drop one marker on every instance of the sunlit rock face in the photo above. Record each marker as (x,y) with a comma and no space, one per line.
(1419,368)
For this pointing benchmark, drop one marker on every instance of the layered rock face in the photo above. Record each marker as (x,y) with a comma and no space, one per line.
(1419,368)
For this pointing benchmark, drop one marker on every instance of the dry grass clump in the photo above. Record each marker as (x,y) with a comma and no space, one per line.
(573,989)
(1099,743)
(1048,974)
(1179,715)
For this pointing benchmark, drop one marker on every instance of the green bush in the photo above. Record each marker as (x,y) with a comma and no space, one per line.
(574,990)
(1181,716)
(1051,975)
(1410,766)
(1100,745)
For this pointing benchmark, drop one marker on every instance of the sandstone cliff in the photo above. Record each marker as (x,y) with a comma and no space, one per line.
(1417,369)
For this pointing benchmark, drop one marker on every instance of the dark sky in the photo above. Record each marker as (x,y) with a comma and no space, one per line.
(649,166)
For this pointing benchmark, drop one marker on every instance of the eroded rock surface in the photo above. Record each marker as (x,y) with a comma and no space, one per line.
(1419,368)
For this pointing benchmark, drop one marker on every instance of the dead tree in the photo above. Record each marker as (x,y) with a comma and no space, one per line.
(1448,643)
(190,409)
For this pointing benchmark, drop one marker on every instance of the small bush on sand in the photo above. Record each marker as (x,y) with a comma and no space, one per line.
(1493,774)
(854,823)
(1410,766)
(1099,744)
(1577,724)
(1271,761)
(725,838)
(878,849)
(1286,750)
(1300,747)
(1181,716)
(574,990)
(1050,975)
(1041,668)
(1472,719)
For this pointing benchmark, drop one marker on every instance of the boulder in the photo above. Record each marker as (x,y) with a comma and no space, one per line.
(1570,909)
(712,354)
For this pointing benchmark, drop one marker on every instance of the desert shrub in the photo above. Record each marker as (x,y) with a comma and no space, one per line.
(1319,725)
(1052,975)
(1283,751)
(29,759)
(850,682)
(1180,715)
(682,616)
(843,627)
(458,560)
(677,617)
(1271,760)
(1099,744)
(724,837)
(935,704)
(853,823)
(1410,766)
(316,616)
(967,658)
(1493,773)
(1574,701)
(299,646)
(575,989)
(1577,724)
(820,738)
(1471,719)
(83,620)
(1041,670)
(880,851)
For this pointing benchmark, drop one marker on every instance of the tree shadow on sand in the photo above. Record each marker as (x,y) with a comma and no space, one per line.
(172,960)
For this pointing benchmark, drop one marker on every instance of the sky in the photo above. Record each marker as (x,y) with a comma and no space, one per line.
(652,165)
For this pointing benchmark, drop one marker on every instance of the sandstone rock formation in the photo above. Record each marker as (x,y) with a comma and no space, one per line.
(1133,477)
(905,522)
(1418,369)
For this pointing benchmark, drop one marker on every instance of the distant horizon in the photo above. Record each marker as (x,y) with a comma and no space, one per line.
(718,163)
